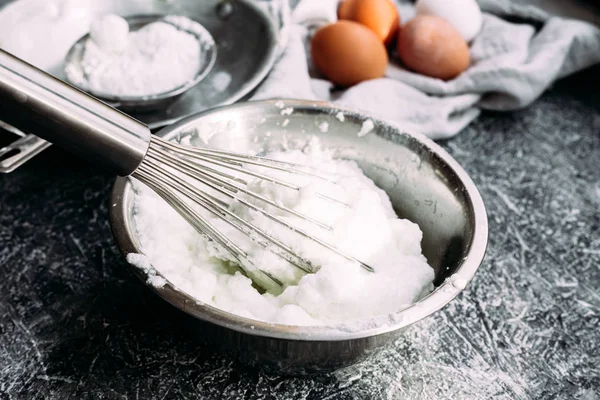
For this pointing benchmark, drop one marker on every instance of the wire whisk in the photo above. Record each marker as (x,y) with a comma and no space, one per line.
(164,168)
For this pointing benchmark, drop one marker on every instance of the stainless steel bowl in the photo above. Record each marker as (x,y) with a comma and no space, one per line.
(424,183)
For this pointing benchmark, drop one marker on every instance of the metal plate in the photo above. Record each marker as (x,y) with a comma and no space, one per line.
(247,47)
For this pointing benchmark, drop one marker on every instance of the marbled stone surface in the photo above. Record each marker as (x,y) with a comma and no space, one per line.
(74,323)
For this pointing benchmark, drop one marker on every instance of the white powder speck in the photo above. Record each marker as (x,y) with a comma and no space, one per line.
(285,122)
(221,80)
(340,116)
(279,104)
(458,282)
(323,127)
(339,292)
(155,59)
(287,111)
(366,127)
(157,281)
(143,263)
(140,261)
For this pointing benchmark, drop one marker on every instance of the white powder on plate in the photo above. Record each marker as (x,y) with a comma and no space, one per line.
(340,116)
(155,59)
(340,292)
(287,111)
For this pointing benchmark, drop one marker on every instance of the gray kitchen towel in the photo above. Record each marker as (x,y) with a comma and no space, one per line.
(512,63)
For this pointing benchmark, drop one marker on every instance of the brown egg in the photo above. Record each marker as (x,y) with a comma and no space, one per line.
(347,53)
(378,15)
(345,9)
(431,46)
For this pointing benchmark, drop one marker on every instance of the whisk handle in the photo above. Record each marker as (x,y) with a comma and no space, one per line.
(38,103)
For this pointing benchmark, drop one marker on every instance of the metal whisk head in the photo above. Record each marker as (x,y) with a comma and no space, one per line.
(226,173)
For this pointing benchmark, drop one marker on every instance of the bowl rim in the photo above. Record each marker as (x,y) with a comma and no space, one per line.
(428,305)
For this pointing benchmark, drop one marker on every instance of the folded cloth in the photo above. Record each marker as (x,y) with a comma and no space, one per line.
(511,66)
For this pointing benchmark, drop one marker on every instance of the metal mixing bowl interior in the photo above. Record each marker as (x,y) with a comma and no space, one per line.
(425,184)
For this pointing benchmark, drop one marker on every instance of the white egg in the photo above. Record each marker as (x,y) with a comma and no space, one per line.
(464,15)
(110,33)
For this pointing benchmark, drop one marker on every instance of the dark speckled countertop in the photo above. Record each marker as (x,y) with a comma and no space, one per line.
(74,323)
